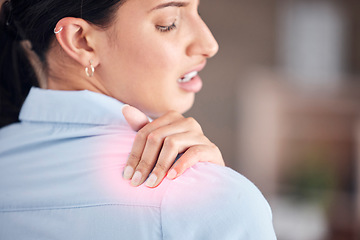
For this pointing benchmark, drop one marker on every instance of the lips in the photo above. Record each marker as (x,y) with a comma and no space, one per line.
(191,81)
(192,73)
(188,77)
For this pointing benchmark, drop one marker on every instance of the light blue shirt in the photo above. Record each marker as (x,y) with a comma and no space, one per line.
(61,178)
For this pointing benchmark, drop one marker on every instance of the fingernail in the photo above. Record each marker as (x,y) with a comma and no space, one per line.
(135,181)
(151,180)
(172,174)
(128,172)
(125,105)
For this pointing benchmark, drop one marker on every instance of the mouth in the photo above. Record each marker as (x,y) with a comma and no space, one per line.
(192,74)
(191,81)
(188,77)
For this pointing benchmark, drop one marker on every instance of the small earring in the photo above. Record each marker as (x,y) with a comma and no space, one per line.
(90,74)
(58,31)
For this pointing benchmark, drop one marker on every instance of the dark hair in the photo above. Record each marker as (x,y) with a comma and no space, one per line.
(34,21)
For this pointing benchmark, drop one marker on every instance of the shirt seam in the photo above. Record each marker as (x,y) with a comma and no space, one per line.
(75,207)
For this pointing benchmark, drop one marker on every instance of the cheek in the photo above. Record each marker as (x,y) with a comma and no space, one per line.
(153,56)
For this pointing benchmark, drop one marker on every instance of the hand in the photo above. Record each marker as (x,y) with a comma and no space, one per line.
(157,144)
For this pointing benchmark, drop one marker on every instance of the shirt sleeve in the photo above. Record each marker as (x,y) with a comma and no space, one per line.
(212,202)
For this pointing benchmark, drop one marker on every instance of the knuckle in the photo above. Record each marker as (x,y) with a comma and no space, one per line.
(141,135)
(154,138)
(160,167)
(170,142)
(206,141)
(133,158)
(216,150)
(144,166)
(213,146)
(196,152)
(192,122)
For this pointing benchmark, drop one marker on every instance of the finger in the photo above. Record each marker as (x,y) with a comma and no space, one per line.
(172,124)
(180,125)
(165,120)
(170,146)
(166,158)
(195,154)
(135,118)
(140,143)
(134,156)
(148,159)
(173,145)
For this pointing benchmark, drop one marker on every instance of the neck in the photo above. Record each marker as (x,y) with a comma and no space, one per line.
(74,82)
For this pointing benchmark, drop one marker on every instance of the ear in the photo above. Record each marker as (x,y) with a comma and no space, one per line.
(77,39)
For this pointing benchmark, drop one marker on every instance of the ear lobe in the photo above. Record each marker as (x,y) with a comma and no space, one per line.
(74,39)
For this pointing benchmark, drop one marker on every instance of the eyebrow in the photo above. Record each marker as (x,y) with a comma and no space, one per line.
(170,4)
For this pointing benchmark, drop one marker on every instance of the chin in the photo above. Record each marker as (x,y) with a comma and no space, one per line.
(184,110)
(184,104)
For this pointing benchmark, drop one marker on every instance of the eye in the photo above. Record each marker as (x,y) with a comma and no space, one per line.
(166,28)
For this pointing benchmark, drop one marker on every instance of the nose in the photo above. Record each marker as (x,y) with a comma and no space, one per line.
(203,42)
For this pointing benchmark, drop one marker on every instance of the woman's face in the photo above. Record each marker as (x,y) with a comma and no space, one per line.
(152,54)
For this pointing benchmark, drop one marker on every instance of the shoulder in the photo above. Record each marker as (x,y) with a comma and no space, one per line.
(214,202)
(210,179)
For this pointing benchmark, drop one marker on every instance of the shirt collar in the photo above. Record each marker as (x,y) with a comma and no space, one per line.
(85,107)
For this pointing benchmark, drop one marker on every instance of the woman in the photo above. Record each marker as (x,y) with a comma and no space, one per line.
(65,155)
(125,70)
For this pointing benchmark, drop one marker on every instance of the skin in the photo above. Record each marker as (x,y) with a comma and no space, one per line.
(138,60)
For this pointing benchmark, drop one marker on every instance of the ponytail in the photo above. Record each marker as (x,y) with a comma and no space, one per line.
(16,73)
(32,22)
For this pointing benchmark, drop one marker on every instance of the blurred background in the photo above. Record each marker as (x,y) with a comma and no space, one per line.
(282,101)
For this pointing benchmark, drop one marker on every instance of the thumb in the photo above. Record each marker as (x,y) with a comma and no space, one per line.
(135,118)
